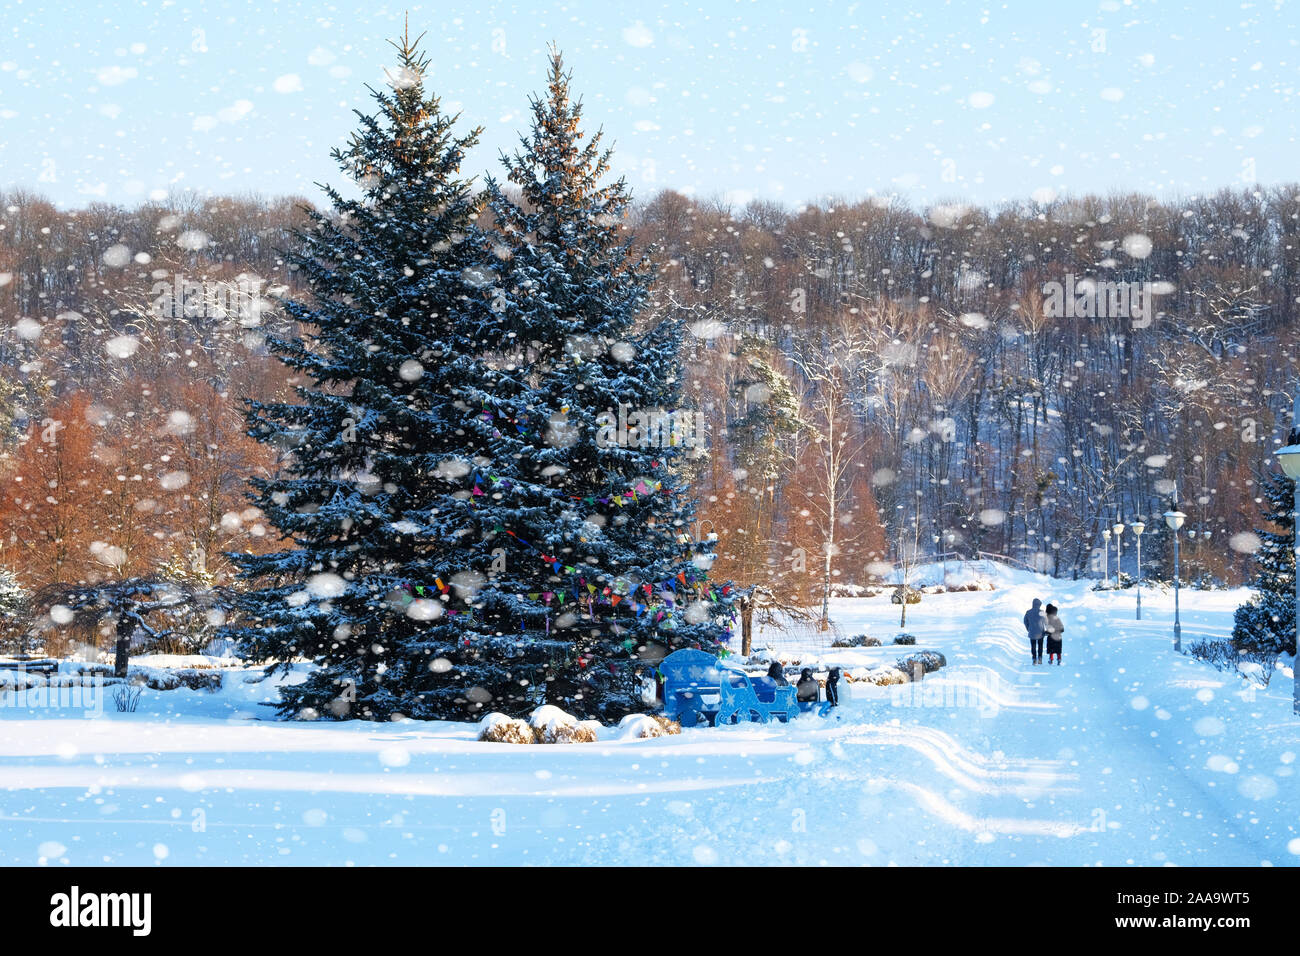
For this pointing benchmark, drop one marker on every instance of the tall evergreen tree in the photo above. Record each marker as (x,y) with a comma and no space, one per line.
(585,496)
(1267,620)
(382,584)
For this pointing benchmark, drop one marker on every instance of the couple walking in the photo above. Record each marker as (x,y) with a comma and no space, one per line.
(1044,624)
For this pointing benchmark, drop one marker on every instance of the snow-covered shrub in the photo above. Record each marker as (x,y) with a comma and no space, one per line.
(82,679)
(881,676)
(1108,584)
(86,668)
(500,729)
(858,640)
(18,680)
(766,655)
(906,593)
(153,679)
(905,639)
(1219,653)
(1254,664)
(209,680)
(553,726)
(156,678)
(646,725)
(930,661)
(955,587)
(1257,666)
(670,727)
(840,590)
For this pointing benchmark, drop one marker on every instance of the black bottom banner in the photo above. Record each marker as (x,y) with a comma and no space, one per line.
(340,906)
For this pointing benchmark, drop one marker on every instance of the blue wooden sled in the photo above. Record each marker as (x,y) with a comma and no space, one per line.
(754,698)
(697,686)
(692,686)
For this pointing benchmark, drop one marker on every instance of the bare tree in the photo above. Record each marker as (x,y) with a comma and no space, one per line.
(834,453)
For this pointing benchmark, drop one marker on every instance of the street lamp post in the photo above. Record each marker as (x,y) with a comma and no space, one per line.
(1105,556)
(1138,527)
(1289,459)
(1174,519)
(1205,536)
(1118,530)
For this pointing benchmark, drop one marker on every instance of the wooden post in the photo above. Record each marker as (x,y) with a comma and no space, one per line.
(747,626)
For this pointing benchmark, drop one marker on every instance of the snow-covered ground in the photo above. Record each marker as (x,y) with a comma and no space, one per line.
(1127,754)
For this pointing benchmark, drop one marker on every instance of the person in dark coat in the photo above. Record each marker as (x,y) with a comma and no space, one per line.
(1036,625)
(833,687)
(807,690)
(776,673)
(1053,629)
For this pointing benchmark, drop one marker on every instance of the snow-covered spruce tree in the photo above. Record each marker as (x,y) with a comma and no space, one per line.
(595,521)
(1267,620)
(14,598)
(15,603)
(380,587)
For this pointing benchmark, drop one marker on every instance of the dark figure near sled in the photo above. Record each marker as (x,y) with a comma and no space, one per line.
(807,690)
(833,687)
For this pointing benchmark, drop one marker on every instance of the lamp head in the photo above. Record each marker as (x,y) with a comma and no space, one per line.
(1138,527)
(1174,519)
(1289,459)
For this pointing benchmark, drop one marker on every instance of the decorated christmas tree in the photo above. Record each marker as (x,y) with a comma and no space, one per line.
(383,579)
(585,496)
(1267,620)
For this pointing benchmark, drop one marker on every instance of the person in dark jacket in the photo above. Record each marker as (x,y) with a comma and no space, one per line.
(833,687)
(1053,629)
(807,690)
(776,673)
(1036,625)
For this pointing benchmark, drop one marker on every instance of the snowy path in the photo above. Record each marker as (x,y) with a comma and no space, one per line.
(1078,765)
(1128,754)
(1070,772)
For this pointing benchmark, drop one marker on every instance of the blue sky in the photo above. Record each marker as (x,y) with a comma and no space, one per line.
(930,101)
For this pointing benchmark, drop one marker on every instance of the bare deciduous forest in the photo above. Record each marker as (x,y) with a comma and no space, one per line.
(878,382)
